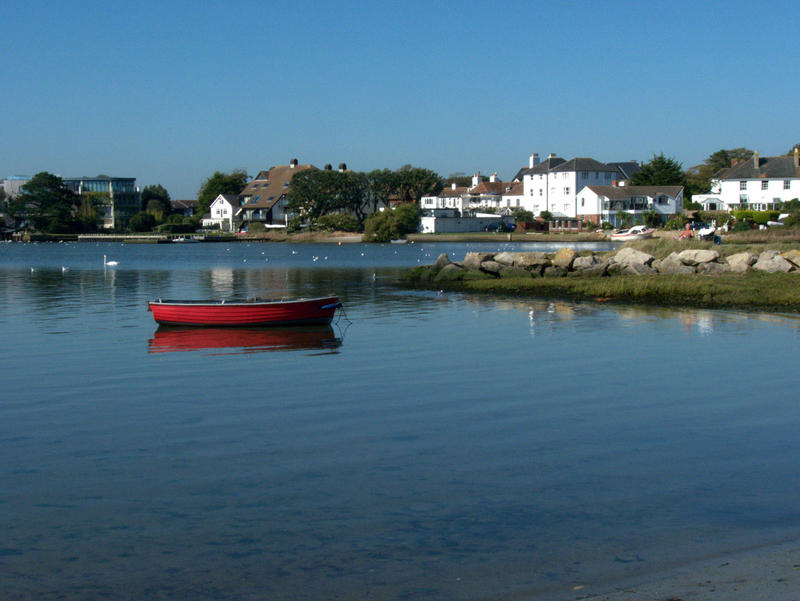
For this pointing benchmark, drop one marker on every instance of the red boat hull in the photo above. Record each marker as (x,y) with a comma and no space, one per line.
(245,313)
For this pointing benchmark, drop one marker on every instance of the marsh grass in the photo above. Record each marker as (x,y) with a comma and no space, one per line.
(755,290)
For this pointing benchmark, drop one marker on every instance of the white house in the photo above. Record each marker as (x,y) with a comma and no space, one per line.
(759,183)
(553,184)
(223,212)
(605,203)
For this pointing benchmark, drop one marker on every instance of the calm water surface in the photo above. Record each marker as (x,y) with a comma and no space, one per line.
(428,446)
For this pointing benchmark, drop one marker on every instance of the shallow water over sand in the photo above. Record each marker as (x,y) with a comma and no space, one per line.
(430,446)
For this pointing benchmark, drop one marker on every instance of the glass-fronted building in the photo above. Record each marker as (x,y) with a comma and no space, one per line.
(118,197)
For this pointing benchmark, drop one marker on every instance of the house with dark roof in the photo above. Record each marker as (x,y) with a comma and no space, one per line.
(264,199)
(553,184)
(759,183)
(186,207)
(613,203)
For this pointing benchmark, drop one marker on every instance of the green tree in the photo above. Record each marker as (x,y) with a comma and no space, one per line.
(47,203)
(522,215)
(314,193)
(156,201)
(142,222)
(380,227)
(407,218)
(661,171)
(415,182)
(220,183)
(698,179)
(382,186)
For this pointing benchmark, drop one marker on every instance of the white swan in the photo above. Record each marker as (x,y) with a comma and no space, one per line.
(109,263)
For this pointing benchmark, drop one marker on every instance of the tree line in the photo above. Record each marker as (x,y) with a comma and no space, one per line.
(318,198)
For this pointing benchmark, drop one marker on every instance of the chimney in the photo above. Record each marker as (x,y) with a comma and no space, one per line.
(493,177)
(342,167)
(755,159)
(328,167)
(476,179)
(534,160)
(796,158)
(293,163)
(453,186)
(550,156)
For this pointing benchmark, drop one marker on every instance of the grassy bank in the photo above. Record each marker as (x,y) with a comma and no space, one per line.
(753,291)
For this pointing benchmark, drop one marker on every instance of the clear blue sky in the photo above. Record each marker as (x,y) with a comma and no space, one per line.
(168,92)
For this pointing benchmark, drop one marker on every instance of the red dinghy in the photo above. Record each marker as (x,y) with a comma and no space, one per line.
(256,312)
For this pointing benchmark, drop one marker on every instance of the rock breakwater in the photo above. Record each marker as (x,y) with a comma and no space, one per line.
(627,261)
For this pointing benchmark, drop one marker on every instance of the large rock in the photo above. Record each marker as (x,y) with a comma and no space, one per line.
(533,261)
(564,258)
(713,268)
(628,256)
(697,256)
(505,258)
(637,269)
(793,256)
(554,271)
(672,265)
(492,267)
(441,262)
(599,270)
(450,273)
(771,261)
(741,262)
(473,261)
(582,263)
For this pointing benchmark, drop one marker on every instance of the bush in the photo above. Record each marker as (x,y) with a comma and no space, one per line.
(256,228)
(523,215)
(676,223)
(741,226)
(338,222)
(294,225)
(406,218)
(380,227)
(757,217)
(142,222)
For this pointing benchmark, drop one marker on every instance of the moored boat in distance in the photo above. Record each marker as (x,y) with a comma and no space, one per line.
(251,312)
(637,232)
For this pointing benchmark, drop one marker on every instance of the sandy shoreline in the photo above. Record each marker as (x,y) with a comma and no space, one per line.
(770,573)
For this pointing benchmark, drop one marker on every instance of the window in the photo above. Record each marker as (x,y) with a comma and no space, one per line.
(765,185)
(743,198)
(786,184)
(566,190)
(583,202)
(541,192)
(585,175)
(743,185)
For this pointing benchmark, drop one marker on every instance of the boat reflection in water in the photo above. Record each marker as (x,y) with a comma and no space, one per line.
(168,339)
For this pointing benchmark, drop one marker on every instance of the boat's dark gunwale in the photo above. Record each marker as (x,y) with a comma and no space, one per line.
(246,303)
